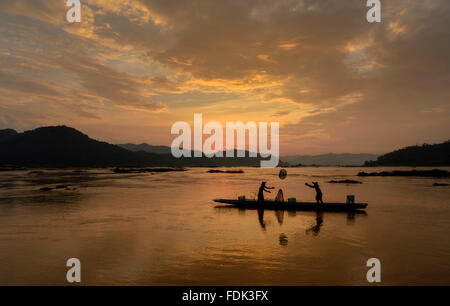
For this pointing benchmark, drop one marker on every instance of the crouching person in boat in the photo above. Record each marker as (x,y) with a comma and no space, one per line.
(263,188)
(316,186)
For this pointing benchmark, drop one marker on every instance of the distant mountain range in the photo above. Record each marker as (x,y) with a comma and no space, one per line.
(163,149)
(146,148)
(331,159)
(63,146)
(424,155)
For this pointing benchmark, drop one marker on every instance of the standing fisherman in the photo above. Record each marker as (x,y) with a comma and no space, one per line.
(315,185)
(263,188)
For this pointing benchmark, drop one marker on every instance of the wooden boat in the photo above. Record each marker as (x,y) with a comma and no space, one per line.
(306,206)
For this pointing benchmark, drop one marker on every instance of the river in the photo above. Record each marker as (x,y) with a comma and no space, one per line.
(164,229)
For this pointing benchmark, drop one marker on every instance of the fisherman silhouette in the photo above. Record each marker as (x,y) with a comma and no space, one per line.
(263,188)
(318,192)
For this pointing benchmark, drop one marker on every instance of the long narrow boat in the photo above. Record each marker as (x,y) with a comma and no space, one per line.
(311,206)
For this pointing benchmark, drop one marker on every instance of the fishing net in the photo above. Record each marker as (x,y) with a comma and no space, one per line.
(280,196)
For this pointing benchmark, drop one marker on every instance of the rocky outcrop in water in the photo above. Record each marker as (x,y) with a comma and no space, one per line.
(421,173)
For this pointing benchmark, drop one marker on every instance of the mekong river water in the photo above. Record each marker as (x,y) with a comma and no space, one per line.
(164,229)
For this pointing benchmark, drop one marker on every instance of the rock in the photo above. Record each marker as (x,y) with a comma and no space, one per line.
(144,170)
(420,173)
(225,171)
(439,184)
(345,182)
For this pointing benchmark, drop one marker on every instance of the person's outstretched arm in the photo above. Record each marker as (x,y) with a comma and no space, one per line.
(310,186)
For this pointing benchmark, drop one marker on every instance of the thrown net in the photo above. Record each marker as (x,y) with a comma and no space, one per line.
(280,196)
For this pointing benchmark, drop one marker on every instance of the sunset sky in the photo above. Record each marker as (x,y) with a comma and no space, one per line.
(132,68)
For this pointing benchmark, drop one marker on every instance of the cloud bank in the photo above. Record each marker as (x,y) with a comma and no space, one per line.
(131,68)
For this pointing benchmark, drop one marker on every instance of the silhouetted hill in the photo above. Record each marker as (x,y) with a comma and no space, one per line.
(331,159)
(63,146)
(146,148)
(6,134)
(425,155)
